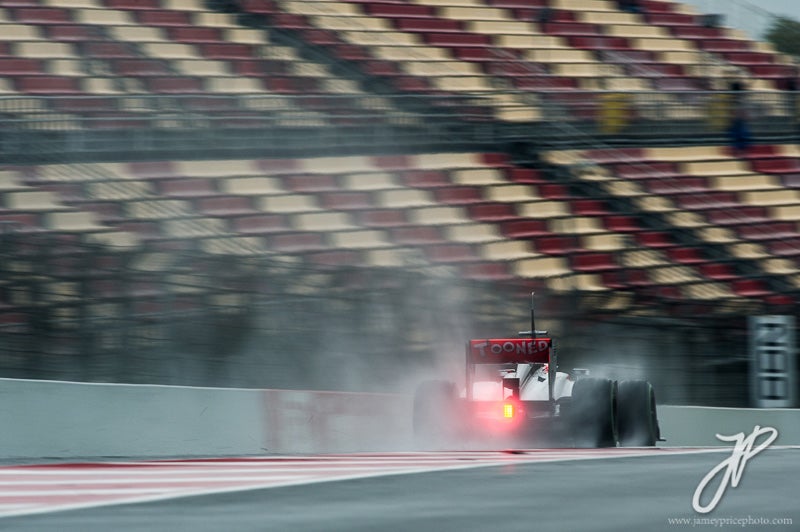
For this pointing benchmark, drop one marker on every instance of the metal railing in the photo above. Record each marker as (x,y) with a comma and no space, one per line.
(147,124)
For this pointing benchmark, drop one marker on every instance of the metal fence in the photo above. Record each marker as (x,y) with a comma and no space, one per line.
(77,312)
(135,126)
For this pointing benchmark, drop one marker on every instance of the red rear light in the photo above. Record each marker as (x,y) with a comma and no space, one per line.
(508,410)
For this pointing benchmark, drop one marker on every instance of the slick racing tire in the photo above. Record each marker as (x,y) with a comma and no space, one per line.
(434,411)
(593,413)
(636,413)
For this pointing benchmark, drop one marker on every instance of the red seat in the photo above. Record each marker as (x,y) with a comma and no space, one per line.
(450,253)
(260,224)
(496,271)
(685,255)
(589,207)
(189,34)
(346,200)
(335,258)
(140,67)
(671,19)
(750,288)
(783,165)
(557,245)
(416,235)
(717,271)
(68,33)
(677,185)
(492,212)
(459,195)
(655,239)
(593,262)
(425,178)
(525,228)
(176,85)
(398,10)
(224,205)
(47,85)
(382,218)
(297,242)
(226,50)
(310,182)
(423,25)
(740,215)
(457,39)
(41,15)
(133,4)
(621,223)
(259,6)
(164,18)
(20,66)
(768,231)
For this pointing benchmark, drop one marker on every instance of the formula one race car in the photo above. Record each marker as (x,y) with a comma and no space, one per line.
(514,395)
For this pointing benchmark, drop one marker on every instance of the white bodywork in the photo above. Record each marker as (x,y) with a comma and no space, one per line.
(533,386)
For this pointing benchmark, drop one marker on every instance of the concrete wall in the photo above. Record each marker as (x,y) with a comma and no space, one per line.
(698,425)
(62,419)
(40,419)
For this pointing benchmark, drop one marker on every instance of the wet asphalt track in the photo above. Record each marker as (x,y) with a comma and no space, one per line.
(618,494)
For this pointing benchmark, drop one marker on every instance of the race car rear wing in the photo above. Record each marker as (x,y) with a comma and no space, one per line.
(531,350)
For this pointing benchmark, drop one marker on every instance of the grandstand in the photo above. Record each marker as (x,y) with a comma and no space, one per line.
(165,159)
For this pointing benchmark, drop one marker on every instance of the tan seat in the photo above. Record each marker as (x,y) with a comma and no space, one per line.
(576,225)
(439,216)
(289,203)
(193,227)
(512,193)
(603,242)
(44,50)
(501,27)
(216,168)
(508,250)
(160,209)
(716,168)
(169,50)
(72,221)
(473,233)
(544,209)
(478,176)
(252,186)
(584,5)
(365,239)
(322,221)
(541,267)
(19,33)
(33,200)
(582,282)
(771,197)
(119,190)
(745,182)
(369,181)
(104,17)
(608,17)
(786,212)
(403,198)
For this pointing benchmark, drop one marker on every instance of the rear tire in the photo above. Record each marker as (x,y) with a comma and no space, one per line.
(636,409)
(434,413)
(593,413)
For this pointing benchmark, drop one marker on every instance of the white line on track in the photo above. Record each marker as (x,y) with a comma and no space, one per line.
(45,488)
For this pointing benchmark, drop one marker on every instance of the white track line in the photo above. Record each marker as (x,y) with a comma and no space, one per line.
(73,482)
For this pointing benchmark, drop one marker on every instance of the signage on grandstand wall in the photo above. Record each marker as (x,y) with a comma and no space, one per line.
(773,375)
